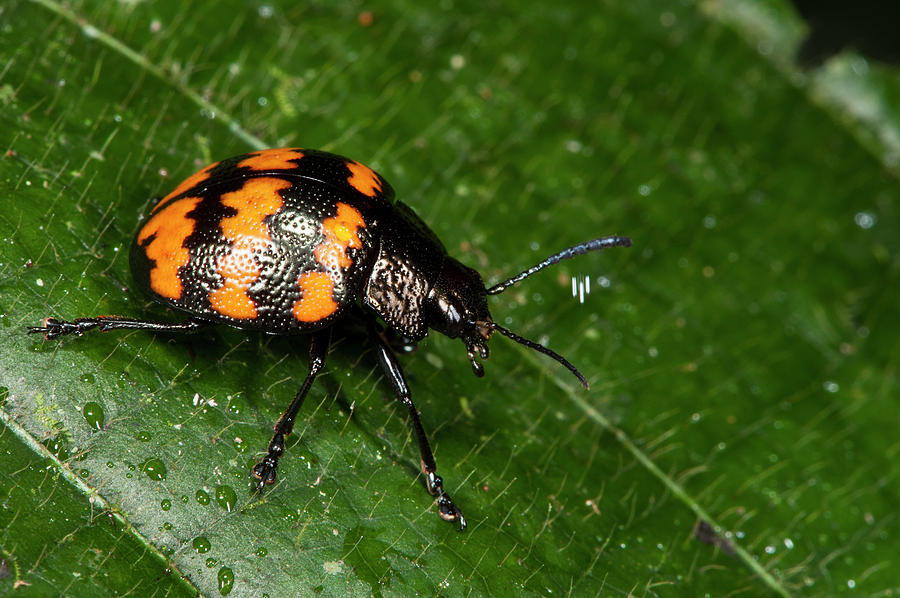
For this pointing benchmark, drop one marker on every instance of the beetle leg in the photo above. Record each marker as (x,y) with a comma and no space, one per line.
(398,342)
(265,470)
(52,328)
(391,367)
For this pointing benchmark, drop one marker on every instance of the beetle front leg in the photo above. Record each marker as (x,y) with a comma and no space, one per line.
(265,471)
(435,484)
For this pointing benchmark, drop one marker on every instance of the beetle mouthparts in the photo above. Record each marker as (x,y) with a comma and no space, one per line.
(476,345)
(477,368)
(484,329)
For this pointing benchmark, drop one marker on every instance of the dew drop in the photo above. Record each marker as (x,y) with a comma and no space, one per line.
(226,580)
(93,414)
(226,497)
(201,544)
(59,446)
(865,220)
(155,469)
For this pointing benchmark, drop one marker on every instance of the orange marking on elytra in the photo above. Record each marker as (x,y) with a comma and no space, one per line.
(249,235)
(340,234)
(169,228)
(273,159)
(363,179)
(317,302)
(188,183)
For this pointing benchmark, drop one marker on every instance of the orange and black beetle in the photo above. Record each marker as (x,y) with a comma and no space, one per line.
(287,241)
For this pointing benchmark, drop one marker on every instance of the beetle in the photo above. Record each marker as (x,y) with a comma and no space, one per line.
(290,241)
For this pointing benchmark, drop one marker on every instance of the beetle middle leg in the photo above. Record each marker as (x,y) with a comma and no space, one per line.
(391,367)
(265,471)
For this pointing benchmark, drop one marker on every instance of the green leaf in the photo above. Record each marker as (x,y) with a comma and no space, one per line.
(739,433)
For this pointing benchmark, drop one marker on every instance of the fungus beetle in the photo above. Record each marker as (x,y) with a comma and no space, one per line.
(289,241)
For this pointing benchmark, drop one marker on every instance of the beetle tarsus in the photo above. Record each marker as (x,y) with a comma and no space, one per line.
(52,328)
(267,470)
(446,509)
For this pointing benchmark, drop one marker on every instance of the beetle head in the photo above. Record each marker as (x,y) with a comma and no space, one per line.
(457,307)
(457,304)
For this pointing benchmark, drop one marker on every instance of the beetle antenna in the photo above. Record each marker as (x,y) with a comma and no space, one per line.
(594,245)
(542,349)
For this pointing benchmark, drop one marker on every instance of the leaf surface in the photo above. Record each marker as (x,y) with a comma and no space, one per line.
(739,436)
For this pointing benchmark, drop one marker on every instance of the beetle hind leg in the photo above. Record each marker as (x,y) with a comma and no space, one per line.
(52,328)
